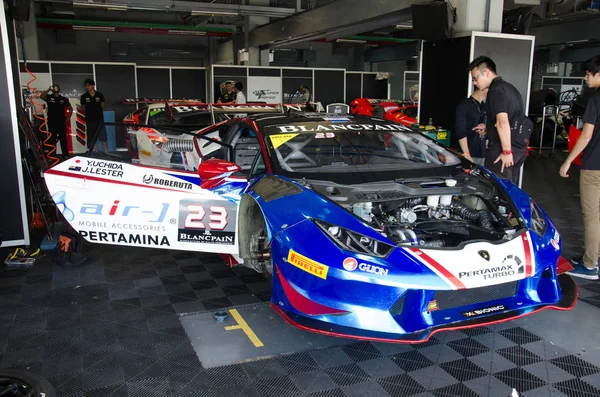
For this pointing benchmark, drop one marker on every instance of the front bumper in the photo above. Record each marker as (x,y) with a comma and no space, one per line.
(409,303)
(567,302)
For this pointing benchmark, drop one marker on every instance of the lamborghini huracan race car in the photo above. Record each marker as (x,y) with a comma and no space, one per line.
(368,229)
(402,112)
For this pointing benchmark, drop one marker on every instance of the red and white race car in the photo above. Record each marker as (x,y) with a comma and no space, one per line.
(160,133)
(402,112)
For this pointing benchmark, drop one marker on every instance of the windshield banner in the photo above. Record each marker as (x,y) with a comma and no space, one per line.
(316,127)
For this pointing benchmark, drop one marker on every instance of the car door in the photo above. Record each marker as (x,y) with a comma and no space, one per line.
(113,202)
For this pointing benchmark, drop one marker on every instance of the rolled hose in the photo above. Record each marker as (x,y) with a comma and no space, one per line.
(482,218)
(178,145)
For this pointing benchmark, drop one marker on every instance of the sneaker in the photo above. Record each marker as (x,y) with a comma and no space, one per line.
(580,270)
(576,259)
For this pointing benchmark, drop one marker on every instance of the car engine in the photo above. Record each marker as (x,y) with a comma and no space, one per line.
(457,211)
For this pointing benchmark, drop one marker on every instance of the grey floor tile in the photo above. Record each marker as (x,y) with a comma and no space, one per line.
(366,389)
(380,367)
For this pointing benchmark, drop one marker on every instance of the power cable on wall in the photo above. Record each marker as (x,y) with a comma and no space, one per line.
(38,111)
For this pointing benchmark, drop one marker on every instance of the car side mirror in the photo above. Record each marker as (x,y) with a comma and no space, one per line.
(213,171)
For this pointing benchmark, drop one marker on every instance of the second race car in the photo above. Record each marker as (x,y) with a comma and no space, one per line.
(402,112)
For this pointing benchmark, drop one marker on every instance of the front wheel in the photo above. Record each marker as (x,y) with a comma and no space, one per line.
(260,251)
(17,383)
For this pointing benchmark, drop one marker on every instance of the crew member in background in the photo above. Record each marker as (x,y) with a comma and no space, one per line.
(305,92)
(589,175)
(229,95)
(58,105)
(93,107)
(508,128)
(240,98)
(470,126)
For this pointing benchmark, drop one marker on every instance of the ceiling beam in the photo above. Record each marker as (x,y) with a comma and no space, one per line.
(567,32)
(333,20)
(178,6)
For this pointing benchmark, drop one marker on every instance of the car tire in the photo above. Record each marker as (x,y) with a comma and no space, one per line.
(27,381)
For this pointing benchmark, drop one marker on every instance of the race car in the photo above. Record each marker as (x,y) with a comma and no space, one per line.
(402,112)
(160,133)
(367,229)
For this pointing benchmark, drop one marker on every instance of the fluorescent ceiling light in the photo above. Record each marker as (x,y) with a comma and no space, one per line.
(350,41)
(94,28)
(404,26)
(188,32)
(63,12)
(108,6)
(206,12)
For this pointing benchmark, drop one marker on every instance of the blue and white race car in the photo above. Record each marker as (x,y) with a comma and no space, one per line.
(369,230)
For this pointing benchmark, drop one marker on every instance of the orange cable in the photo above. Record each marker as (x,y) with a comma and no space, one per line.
(38,109)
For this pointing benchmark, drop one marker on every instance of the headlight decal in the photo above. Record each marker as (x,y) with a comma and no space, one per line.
(355,242)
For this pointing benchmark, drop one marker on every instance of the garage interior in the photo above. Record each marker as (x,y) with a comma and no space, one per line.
(136,321)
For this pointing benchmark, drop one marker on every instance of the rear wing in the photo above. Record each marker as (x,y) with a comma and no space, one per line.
(222,111)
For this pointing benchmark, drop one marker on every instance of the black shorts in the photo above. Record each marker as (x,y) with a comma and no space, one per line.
(96,127)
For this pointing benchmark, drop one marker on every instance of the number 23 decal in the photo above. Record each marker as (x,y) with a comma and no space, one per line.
(321,135)
(196,213)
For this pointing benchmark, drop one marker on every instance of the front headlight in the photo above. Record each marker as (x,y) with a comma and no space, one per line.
(355,242)
(538,221)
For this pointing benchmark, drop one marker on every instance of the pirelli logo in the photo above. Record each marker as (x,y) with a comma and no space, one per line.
(308,265)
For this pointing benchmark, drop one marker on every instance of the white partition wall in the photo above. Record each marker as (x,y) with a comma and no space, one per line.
(513,55)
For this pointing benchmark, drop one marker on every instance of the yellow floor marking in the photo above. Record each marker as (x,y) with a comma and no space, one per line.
(243,325)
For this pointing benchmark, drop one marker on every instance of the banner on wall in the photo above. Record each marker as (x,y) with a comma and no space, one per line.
(264,89)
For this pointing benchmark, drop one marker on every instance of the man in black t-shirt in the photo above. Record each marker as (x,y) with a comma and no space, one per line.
(471,126)
(59,115)
(93,105)
(229,95)
(589,179)
(506,151)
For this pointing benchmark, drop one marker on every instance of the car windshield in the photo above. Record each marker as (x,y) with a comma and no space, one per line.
(334,147)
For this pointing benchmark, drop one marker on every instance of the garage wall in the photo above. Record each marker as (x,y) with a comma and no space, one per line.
(330,55)
(145,49)
(396,70)
(13,216)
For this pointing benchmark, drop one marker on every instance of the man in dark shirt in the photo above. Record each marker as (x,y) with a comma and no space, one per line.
(470,126)
(93,104)
(589,175)
(229,95)
(58,105)
(507,148)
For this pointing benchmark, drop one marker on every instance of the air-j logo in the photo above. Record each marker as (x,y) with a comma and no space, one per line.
(156,215)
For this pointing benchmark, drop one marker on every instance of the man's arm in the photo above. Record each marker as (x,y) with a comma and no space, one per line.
(590,118)
(499,113)
(102,100)
(503,127)
(69,112)
(461,131)
(44,95)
